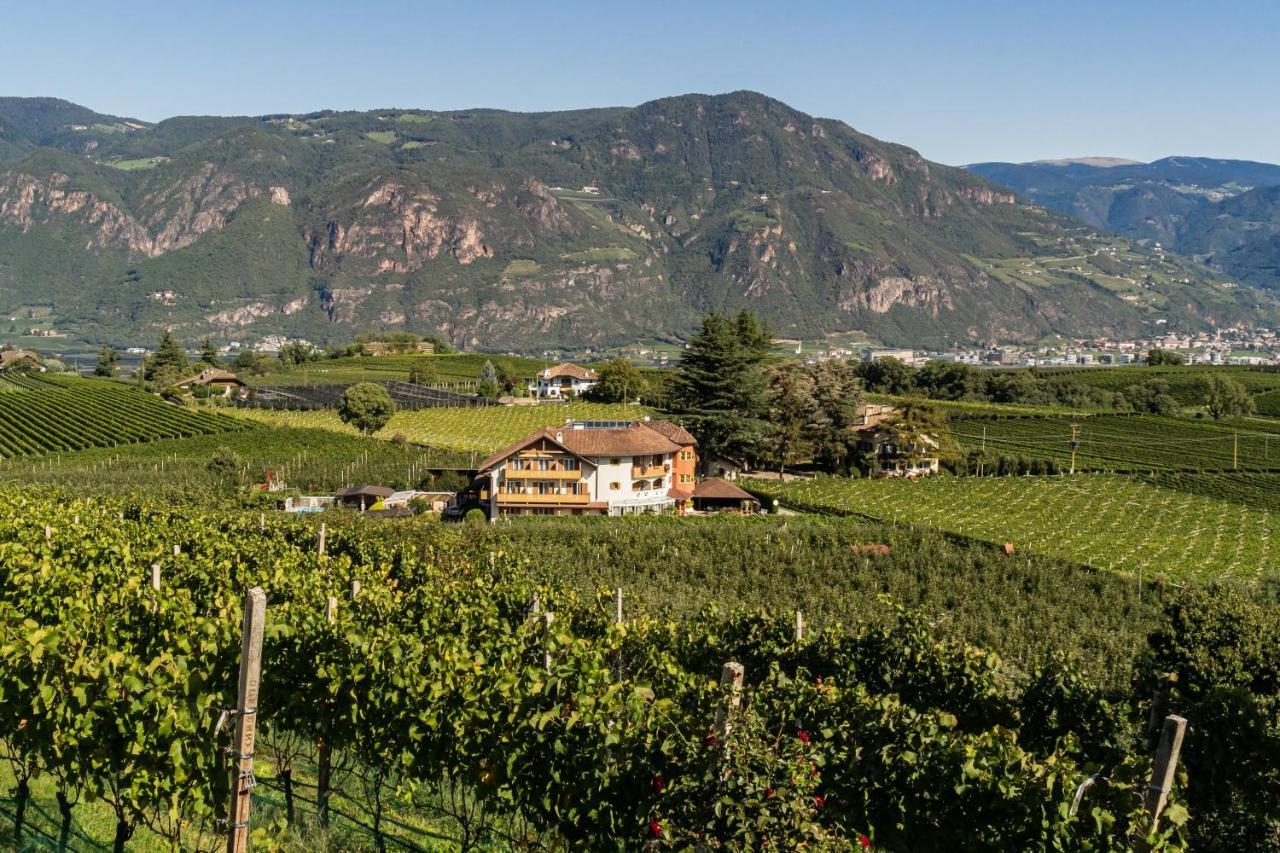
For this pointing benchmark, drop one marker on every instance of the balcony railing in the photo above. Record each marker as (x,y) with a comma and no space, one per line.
(639,472)
(535,474)
(534,498)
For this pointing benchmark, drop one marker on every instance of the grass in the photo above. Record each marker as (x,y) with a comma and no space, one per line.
(138,164)
(602,255)
(412,144)
(520,267)
(471,430)
(386,137)
(1104,521)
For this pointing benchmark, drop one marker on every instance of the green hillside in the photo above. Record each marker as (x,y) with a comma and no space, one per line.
(528,231)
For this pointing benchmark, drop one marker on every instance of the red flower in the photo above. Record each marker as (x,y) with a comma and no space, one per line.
(804,737)
(768,792)
(711,740)
(864,842)
(819,801)
(655,829)
(659,783)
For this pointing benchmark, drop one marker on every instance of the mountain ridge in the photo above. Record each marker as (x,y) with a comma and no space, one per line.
(522,231)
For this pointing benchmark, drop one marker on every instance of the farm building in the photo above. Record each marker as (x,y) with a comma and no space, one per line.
(13,359)
(562,382)
(879,443)
(220,381)
(363,497)
(717,495)
(598,468)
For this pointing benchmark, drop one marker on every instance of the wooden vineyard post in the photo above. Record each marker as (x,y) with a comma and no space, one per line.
(324,750)
(731,688)
(242,781)
(355,589)
(1162,773)
(547,619)
(48,533)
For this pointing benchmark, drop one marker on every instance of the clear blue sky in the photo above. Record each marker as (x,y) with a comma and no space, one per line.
(959,81)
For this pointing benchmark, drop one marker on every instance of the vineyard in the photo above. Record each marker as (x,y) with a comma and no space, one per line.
(450,369)
(309,397)
(306,459)
(1105,521)
(472,430)
(56,414)
(1125,442)
(456,688)
(1185,382)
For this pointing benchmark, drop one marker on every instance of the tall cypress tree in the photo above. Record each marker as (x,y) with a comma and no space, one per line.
(719,388)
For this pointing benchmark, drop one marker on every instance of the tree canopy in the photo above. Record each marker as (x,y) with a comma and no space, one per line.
(1225,397)
(619,381)
(719,387)
(366,406)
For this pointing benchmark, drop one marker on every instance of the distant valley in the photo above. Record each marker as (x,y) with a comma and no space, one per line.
(1225,213)
(588,228)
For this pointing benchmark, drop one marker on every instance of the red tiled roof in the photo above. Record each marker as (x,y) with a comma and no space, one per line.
(635,440)
(570,370)
(675,432)
(679,494)
(721,490)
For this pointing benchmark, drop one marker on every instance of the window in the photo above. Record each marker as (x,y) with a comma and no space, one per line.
(613,487)
(686,455)
(615,461)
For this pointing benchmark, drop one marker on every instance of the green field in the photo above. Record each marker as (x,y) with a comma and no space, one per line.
(450,368)
(307,460)
(480,430)
(1185,382)
(46,414)
(1125,442)
(1105,521)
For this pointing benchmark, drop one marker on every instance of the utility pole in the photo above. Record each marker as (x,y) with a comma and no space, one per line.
(242,781)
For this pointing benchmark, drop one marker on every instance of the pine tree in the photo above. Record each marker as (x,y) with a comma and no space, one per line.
(489,381)
(169,362)
(209,355)
(719,387)
(107,361)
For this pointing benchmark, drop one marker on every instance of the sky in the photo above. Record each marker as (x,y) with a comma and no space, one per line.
(960,81)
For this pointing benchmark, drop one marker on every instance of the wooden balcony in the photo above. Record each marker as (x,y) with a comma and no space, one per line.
(639,472)
(534,474)
(510,499)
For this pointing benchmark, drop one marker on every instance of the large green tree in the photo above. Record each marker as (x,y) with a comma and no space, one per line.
(618,382)
(1224,397)
(792,411)
(209,354)
(108,359)
(367,407)
(169,363)
(719,387)
(838,403)
(423,372)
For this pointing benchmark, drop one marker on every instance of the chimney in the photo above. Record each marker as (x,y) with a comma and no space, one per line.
(559,436)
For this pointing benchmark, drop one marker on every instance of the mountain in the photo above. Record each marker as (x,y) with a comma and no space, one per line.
(1223,212)
(528,231)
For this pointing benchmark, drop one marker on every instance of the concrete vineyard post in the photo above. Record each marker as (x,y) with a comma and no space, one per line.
(1162,773)
(617,606)
(320,541)
(242,781)
(731,698)
(799,626)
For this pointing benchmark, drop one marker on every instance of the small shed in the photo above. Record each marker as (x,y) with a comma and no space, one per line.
(221,381)
(363,497)
(717,495)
